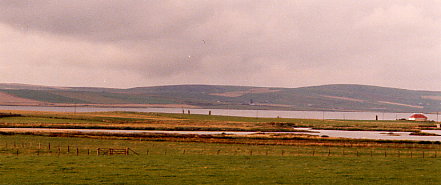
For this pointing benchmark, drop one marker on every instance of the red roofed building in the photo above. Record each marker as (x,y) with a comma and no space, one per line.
(418,117)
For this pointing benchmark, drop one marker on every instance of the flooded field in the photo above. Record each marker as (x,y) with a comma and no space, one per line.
(381,135)
(377,135)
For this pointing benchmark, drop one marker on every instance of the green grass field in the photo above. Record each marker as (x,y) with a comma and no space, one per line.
(203,169)
(208,163)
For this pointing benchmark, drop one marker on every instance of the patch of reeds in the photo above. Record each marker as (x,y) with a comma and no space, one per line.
(4,115)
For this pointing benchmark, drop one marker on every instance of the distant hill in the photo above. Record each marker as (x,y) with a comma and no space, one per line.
(340,97)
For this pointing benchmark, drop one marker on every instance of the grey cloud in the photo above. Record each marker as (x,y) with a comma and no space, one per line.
(103,20)
(260,42)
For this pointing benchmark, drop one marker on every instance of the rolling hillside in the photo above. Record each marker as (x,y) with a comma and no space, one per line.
(341,97)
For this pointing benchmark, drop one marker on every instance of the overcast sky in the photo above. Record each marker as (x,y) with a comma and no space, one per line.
(130,43)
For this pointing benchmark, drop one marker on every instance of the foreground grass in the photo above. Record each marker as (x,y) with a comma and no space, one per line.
(208,163)
(197,169)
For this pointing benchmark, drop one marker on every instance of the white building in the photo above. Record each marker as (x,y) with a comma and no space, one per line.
(417,117)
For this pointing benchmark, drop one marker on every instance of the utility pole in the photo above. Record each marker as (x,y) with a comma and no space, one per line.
(228,109)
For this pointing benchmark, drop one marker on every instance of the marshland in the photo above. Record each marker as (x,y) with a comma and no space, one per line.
(293,156)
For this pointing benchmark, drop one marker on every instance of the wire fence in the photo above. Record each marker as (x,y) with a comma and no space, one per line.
(49,149)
